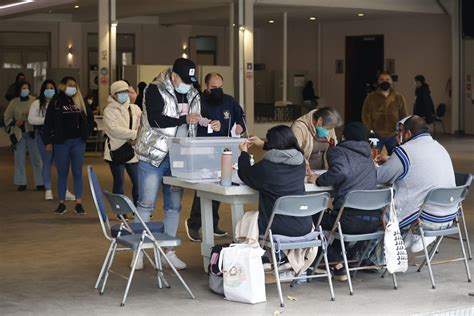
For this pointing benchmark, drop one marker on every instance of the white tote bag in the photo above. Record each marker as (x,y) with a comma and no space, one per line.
(244,278)
(396,257)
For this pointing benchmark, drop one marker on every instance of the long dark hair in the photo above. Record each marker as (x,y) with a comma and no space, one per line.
(281,137)
(41,97)
(20,84)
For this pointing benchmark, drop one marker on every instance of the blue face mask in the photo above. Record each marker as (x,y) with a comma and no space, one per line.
(49,93)
(24,93)
(70,91)
(122,98)
(322,132)
(183,88)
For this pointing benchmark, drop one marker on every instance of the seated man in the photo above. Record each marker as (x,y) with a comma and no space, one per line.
(415,168)
(350,168)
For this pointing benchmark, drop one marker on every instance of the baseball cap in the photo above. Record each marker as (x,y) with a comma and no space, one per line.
(402,122)
(186,69)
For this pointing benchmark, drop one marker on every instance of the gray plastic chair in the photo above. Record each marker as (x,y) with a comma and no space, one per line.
(366,200)
(444,197)
(122,205)
(464,179)
(298,206)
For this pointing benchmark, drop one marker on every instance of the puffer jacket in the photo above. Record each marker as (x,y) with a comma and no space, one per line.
(152,144)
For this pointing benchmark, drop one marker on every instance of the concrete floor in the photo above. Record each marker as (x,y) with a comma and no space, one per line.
(49,264)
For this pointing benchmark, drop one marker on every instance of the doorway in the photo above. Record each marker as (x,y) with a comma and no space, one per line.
(364,58)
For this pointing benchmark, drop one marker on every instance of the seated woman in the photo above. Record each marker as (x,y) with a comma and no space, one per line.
(315,134)
(350,168)
(280,173)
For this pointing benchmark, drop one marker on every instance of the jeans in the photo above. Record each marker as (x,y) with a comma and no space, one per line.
(117,174)
(70,153)
(150,178)
(194,221)
(47,158)
(27,143)
(389,142)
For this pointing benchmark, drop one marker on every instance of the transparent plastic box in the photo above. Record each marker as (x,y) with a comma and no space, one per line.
(199,158)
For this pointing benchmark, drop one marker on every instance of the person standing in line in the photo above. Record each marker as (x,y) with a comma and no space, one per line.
(12,91)
(67,126)
(424,106)
(22,137)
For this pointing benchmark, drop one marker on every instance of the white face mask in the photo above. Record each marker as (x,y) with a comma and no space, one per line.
(183,88)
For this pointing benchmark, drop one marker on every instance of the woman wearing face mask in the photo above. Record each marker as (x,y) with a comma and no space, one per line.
(22,136)
(67,126)
(315,134)
(121,122)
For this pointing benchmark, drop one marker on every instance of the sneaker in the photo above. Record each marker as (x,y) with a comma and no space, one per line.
(219,232)
(79,210)
(193,234)
(61,209)
(418,244)
(139,265)
(21,188)
(175,261)
(286,276)
(40,188)
(339,274)
(48,195)
(70,196)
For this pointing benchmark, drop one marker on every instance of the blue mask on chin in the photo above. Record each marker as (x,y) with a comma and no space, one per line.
(322,132)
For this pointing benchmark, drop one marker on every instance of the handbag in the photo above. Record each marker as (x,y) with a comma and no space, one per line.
(396,257)
(216,278)
(244,278)
(125,152)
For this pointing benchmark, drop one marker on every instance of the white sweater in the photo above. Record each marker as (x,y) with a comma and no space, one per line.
(116,122)
(36,115)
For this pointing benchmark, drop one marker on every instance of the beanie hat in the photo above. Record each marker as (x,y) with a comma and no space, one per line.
(356,131)
(118,86)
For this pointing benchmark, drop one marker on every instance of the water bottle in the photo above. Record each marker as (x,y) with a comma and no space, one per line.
(226,168)
(374,144)
(252,161)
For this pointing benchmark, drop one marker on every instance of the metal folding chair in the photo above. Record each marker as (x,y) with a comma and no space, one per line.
(111,232)
(464,179)
(298,206)
(445,197)
(121,205)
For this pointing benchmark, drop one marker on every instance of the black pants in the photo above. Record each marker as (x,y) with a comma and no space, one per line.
(118,177)
(352,222)
(194,221)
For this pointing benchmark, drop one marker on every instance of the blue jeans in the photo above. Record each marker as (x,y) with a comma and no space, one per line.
(70,153)
(150,178)
(389,142)
(47,158)
(118,173)
(27,143)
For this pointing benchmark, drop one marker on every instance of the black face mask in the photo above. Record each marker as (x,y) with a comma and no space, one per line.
(216,95)
(385,85)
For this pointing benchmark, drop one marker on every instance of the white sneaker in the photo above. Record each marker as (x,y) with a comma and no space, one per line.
(139,265)
(418,245)
(70,196)
(48,195)
(175,261)
(286,276)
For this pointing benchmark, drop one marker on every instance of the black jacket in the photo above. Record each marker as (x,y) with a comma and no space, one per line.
(53,132)
(228,113)
(274,180)
(350,168)
(424,106)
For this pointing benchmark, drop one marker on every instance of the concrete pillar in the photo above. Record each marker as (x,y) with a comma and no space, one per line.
(113,42)
(249,66)
(231,35)
(104,52)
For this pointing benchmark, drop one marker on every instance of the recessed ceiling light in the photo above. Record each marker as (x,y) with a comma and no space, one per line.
(312,18)
(360,14)
(271,21)
(76,7)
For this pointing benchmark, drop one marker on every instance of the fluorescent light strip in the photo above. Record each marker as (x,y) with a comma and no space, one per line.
(15,4)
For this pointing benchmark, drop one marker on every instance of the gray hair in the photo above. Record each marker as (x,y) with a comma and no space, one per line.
(329,115)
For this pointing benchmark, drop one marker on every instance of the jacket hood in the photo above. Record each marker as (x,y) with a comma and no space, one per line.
(112,102)
(290,157)
(307,120)
(360,147)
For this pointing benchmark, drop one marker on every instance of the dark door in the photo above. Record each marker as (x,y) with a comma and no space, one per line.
(364,58)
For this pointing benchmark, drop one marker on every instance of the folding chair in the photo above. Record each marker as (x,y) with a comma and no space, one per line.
(121,205)
(446,198)
(366,200)
(298,206)
(464,179)
(111,232)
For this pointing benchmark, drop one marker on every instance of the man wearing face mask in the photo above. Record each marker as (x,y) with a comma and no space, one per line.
(218,110)
(419,165)
(171,107)
(382,109)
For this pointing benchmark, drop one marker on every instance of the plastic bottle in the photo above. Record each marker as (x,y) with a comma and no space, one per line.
(252,161)
(226,168)
(375,150)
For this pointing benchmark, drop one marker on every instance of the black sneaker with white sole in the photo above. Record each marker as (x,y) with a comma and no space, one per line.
(219,232)
(61,209)
(79,210)
(193,234)
(339,274)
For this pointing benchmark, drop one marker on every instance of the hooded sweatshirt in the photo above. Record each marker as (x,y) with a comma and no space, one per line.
(280,173)
(350,168)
